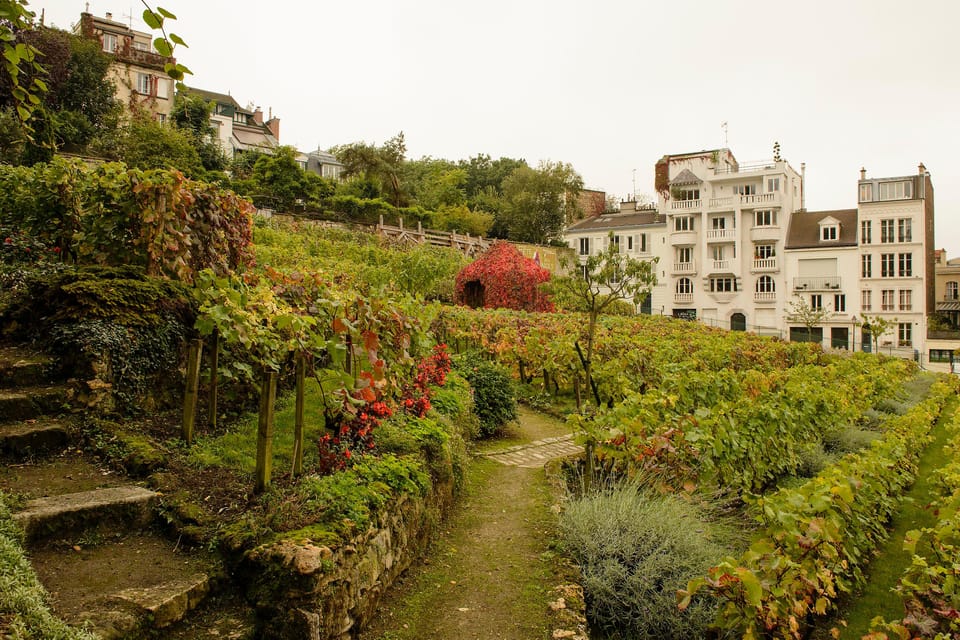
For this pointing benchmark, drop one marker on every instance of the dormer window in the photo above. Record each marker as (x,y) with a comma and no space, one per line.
(828,232)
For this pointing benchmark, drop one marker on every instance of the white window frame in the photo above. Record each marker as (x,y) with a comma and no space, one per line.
(888,265)
(896,190)
(905,263)
(887,300)
(887,231)
(144,84)
(904,334)
(840,302)
(764,218)
(906,300)
(866,300)
(766,284)
(904,230)
(684,285)
(110,42)
(828,232)
(866,266)
(866,232)
(584,249)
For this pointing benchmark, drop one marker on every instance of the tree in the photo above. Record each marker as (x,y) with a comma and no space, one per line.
(810,317)
(146,144)
(382,164)
(877,326)
(434,183)
(539,202)
(20,58)
(191,114)
(279,177)
(596,284)
(461,219)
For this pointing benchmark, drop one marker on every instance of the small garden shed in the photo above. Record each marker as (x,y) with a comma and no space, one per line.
(503,278)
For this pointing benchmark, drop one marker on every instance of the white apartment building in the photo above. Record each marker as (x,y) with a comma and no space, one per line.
(738,250)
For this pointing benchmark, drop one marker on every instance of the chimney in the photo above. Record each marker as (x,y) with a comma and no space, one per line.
(923,169)
(258,116)
(863,173)
(274,125)
(109,15)
(803,186)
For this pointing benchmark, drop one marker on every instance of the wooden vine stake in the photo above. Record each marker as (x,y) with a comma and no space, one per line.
(298,418)
(268,393)
(214,378)
(192,388)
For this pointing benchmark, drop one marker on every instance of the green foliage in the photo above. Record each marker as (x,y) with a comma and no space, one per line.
(278,179)
(381,165)
(635,549)
(21,71)
(461,219)
(23,600)
(494,396)
(538,203)
(145,143)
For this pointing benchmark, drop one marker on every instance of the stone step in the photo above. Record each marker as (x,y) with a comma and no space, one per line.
(111,509)
(23,368)
(31,402)
(31,438)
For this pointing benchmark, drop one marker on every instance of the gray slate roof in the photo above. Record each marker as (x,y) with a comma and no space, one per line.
(605,222)
(804,231)
(686,177)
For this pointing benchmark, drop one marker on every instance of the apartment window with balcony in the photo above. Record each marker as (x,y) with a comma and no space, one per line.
(952,291)
(722,285)
(906,300)
(866,232)
(887,300)
(141,46)
(745,189)
(685,254)
(866,266)
(906,265)
(886,265)
(866,193)
(905,333)
(828,232)
(840,303)
(866,302)
(683,223)
(718,224)
(764,251)
(684,285)
(904,230)
(584,246)
(109,43)
(766,284)
(816,301)
(900,190)
(886,231)
(718,252)
(765,218)
(144,84)
(773,184)
(687,194)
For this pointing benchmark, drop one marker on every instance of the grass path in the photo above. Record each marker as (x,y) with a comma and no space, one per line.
(488,575)
(886,569)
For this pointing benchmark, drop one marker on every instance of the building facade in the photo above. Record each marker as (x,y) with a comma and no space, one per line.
(238,129)
(137,71)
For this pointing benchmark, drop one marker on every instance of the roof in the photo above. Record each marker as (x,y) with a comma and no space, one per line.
(325,157)
(605,222)
(247,138)
(804,231)
(686,177)
(221,98)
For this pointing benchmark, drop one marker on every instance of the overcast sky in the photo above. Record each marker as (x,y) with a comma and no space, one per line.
(608,86)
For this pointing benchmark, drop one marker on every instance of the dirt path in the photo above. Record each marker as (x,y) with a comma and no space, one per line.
(488,575)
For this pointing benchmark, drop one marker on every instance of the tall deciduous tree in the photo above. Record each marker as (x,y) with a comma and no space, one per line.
(809,316)
(279,177)
(539,202)
(383,164)
(876,326)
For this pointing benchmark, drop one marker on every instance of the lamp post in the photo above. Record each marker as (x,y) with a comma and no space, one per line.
(853,334)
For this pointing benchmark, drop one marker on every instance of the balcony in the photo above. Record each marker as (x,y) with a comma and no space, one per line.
(816,283)
(951,297)
(683,298)
(685,205)
(683,238)
(763,265)
(721,235)
(755,200)
(766,232)
(721,265)
(765,296)
(720,203)
(684,268)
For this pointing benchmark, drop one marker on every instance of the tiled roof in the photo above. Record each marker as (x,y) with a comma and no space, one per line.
(804,231)
(220,98)
(608,221)
(686,177)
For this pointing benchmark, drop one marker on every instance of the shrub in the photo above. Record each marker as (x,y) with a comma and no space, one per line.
(635,550)
(494,397)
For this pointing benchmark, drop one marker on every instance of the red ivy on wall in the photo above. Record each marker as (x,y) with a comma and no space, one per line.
(503,278)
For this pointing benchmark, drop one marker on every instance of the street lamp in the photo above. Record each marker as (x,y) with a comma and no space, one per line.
(853,335)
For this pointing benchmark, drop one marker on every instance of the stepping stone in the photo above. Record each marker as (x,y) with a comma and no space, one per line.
(127,507)
(169,602)
(31,402)
(23,439)
(20,368)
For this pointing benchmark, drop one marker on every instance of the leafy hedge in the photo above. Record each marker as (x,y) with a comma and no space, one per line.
(817,538)
(494,396)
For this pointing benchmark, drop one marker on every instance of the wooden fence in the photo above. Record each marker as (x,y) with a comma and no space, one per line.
(469,245)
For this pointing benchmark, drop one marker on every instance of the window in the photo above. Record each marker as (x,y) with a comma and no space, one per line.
(866,266)
(162,118)
(239,118)
(719,285)
(615,241)
(162,85)
(684,285)
(223,109)
(687,194)
(764,251)
(685,254)
(886,231)
(840,303)
(643,242)
(905,331)
(816,301)
(718,252)
(766,285)
(952,292)
(906,265)
(773,184)
(901,190)
(886,265)
(866,300)
(718,223)
(683,223)
(906,300)
(866,192)
(941,355)
(866,232)
(144,84)
(141,46)
(904,230)
(887,302)
(745,189)
(765,218)
(828,232)
(109,43)
(629,243)
(584,272)
(584,246)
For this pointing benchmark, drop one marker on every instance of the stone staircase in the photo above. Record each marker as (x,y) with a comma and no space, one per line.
(91,533)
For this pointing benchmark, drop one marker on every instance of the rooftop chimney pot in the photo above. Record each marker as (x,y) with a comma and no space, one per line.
(863,173)
(109,15)
(923,169)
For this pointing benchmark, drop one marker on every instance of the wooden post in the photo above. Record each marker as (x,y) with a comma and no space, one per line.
(298,417)
(190,392)
(214,379)
(401,224)
(576,391)
(268,393)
